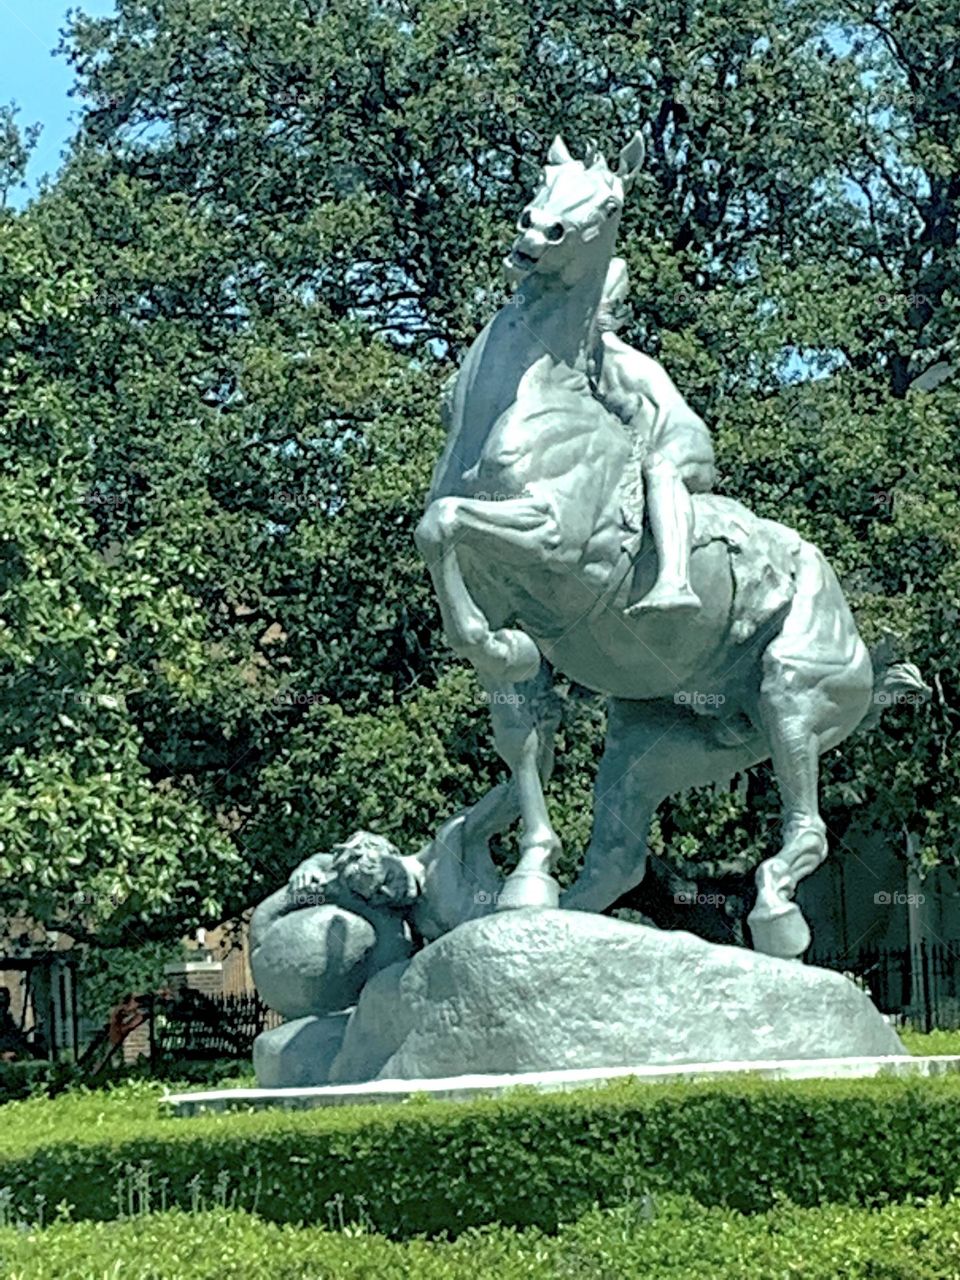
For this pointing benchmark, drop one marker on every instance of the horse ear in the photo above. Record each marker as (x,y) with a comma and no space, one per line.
(558,153)
(631,158)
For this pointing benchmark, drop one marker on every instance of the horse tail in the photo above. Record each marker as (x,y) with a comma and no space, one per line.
(895,683)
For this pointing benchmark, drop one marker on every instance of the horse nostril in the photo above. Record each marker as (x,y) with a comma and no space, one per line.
(525,220)
(555,233)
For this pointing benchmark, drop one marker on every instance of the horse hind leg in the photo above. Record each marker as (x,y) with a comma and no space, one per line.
(805,708)
(653,750)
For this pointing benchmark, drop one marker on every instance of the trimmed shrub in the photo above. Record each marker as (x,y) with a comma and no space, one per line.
(436,1168)
(662,1239)
(31,1078)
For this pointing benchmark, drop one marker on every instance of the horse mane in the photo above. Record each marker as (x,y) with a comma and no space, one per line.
(612,313)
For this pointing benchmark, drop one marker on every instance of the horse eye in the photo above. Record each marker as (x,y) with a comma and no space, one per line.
(525,219)
(556,232)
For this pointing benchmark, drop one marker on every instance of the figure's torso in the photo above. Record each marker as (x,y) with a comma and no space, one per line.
(640,392)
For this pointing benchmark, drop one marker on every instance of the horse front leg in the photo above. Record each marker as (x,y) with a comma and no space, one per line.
(519,735)
(516,531)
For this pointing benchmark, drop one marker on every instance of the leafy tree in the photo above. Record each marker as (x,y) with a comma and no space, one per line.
(15,149)
(227,324)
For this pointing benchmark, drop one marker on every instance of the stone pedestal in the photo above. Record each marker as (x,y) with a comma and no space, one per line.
(545,990)
(299,1053)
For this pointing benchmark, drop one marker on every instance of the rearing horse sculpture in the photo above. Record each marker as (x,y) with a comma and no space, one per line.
(536,541)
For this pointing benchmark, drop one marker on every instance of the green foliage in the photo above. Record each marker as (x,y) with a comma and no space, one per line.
(669,1238)
(29,1078)
(182,1073)
(222,336)
(522,1160)
(106,975)
(935,1042)
(15,149)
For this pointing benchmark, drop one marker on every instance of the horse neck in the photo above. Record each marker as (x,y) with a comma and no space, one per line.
(555,319)
(561,317)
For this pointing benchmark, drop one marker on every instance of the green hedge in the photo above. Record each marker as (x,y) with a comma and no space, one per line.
(665,1239)
(429,1167)
(30,1078)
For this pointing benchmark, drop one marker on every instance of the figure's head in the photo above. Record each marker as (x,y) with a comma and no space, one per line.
(372,868)
(571,222)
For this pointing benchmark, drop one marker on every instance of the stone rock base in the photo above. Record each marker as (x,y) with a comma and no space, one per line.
(299,1053)
(545,990)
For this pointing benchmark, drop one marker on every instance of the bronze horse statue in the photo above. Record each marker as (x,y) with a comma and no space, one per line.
(570,519)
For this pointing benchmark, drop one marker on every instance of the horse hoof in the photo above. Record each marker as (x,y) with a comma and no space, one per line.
(779,931)
(528,889)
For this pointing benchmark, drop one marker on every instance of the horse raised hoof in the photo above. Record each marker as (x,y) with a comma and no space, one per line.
(779,930)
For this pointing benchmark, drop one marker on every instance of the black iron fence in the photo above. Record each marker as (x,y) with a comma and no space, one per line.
(196,1026)
(186,1026)
(920,983)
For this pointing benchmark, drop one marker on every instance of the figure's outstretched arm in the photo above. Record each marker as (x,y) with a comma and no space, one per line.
(310,881)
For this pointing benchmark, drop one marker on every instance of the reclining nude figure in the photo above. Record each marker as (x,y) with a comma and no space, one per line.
(450,880)
(347,913)
(720,639)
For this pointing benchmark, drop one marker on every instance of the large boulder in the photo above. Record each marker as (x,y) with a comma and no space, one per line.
(541,990)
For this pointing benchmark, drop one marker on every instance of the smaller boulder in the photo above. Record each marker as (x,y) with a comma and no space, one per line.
(309,960)
(299,1054)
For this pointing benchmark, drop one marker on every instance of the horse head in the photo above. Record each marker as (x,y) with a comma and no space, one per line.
(571,223)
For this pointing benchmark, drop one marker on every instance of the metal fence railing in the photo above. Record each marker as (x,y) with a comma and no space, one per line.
(193,1025)
(919,983)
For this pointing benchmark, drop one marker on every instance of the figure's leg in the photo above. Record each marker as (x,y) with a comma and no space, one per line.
(670,515)
(652,751)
